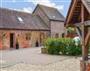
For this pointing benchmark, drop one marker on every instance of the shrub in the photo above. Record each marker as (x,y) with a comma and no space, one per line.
(64,46)
(73,49)
(66,42)
(52,46)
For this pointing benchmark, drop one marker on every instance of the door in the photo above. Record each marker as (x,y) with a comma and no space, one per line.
(42,36)
(11,40)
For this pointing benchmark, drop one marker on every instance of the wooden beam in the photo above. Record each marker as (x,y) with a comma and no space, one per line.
(87,39)
(84,56)
(88,28)
(71,12)
(85,4)
(87,23)
(79,32)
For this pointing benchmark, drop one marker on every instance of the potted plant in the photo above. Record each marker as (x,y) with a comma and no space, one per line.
(17,45)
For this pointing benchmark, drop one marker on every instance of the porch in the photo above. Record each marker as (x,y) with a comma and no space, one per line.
(83,31)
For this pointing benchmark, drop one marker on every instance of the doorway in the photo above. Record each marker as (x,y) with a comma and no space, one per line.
(11,40)
(42,37)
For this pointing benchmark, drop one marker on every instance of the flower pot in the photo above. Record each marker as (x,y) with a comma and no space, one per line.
(44,50)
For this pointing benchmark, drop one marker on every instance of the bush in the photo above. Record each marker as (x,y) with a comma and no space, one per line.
(73,49)
(64,46)
(52,46)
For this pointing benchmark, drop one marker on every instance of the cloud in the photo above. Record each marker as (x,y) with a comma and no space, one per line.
(42,2)
(47,3)
(28,9)
(60,7)
(13,0)
(25,9)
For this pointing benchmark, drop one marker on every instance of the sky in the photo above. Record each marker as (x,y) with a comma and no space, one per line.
(29,5)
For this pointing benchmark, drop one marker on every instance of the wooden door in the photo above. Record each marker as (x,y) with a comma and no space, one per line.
(11,40)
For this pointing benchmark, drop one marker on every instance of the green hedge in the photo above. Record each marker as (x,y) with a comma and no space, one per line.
(64,46)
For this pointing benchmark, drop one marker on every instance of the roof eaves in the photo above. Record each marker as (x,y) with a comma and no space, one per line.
(71,5)
(35,8)
(84,3)
(23,29)
(57,20)
(68,12)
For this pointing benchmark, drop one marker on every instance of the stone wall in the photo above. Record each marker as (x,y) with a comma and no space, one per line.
(57,27)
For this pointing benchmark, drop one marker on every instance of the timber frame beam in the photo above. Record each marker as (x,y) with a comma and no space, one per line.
(87,39)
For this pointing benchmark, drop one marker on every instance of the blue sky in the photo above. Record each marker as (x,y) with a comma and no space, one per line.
(29,5)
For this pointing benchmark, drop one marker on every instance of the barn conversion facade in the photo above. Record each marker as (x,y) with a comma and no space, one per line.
(27,29)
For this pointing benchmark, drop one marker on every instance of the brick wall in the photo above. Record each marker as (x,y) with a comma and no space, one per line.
(21,37)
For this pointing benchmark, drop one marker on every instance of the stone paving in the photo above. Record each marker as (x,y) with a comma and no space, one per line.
(31,59)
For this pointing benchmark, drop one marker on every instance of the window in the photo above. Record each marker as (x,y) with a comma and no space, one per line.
(28,36)
(63,34)
(54,17)
(57,35)
(20,19)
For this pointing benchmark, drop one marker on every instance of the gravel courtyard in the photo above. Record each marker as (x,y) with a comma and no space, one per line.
(31,59)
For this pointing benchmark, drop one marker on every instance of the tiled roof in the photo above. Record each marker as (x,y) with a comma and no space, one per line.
(52,13)
(10,19)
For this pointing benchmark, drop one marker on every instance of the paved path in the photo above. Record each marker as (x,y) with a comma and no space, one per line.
(31,59)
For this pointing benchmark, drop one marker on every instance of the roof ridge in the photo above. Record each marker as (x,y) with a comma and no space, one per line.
(46,6)
(8,9)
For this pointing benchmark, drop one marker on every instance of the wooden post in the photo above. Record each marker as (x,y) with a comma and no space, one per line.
(82,21)
(84,48)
